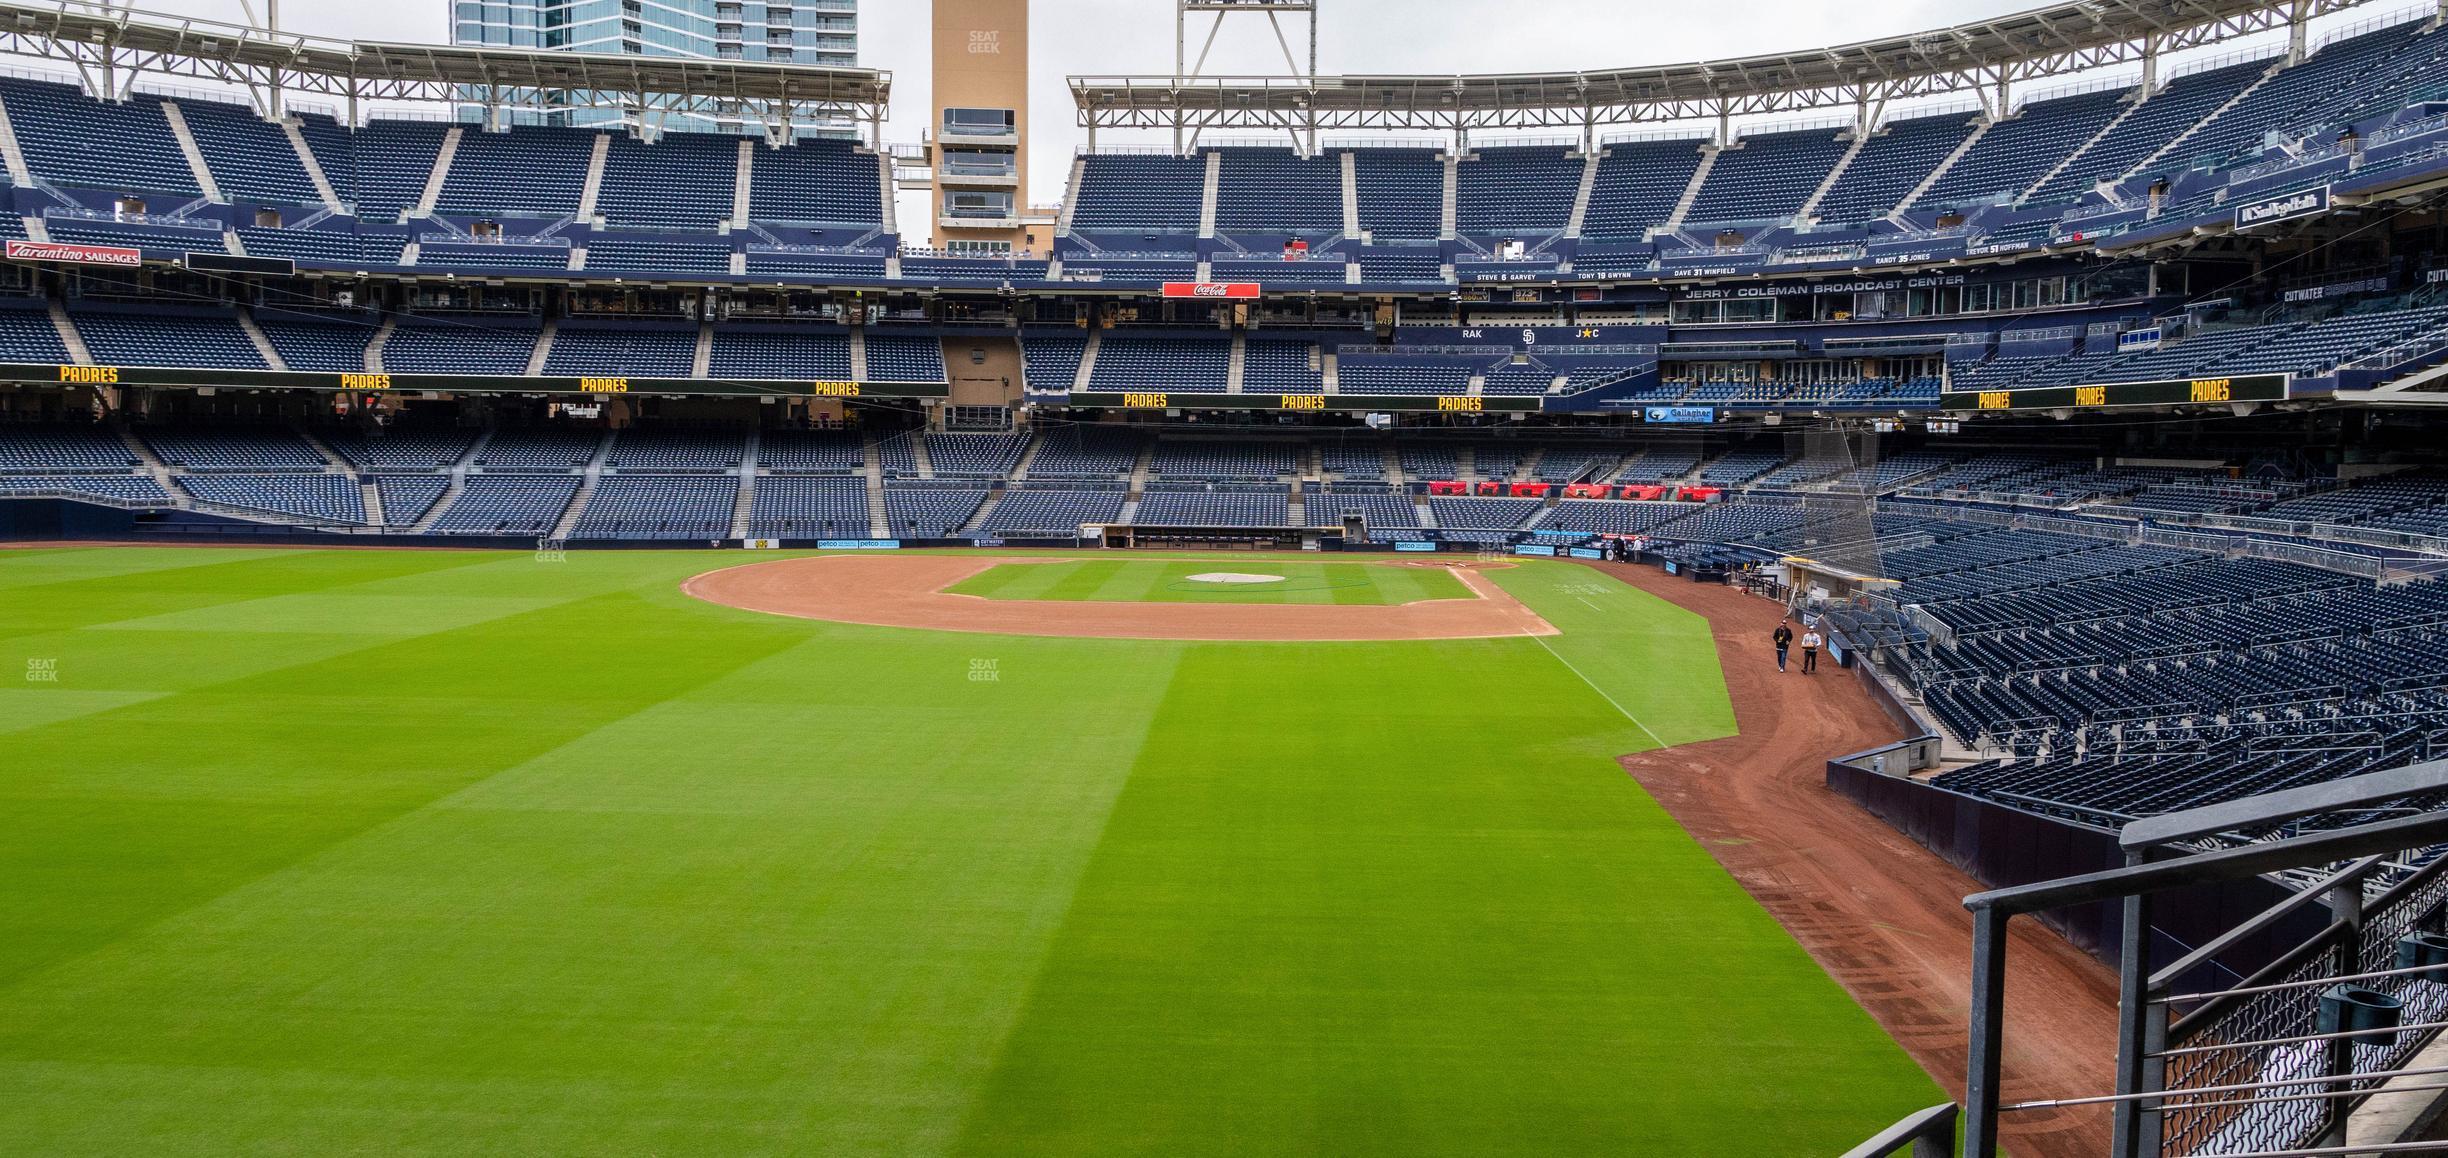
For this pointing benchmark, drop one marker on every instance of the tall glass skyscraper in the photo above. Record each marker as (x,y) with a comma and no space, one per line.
(818,32)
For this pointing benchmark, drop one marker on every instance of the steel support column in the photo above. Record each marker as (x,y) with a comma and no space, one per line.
(1983,1060)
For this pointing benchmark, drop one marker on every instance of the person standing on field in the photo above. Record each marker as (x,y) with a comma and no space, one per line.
(1810,651)
(1784,640)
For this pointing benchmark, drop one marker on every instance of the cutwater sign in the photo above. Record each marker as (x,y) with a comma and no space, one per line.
(2275,209)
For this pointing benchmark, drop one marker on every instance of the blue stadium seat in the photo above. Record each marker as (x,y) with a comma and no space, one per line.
(250,158)
(797,507)
(1139,193)
(683,181)
(747,350)
(1401,192)
(529,171)
(492,504)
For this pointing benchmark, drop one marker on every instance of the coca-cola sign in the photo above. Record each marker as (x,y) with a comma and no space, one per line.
(78,254)
(1212,290)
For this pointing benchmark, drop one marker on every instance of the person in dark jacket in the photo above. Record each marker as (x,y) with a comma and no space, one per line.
(1784,640)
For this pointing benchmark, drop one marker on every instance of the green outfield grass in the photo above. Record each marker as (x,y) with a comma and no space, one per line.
(1169,581)
(400,852)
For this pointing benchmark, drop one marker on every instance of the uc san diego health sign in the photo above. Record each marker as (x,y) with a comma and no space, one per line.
(2272,210)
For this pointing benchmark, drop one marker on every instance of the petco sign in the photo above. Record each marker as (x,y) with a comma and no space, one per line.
(2288,208)
(80,254)
(1212,290)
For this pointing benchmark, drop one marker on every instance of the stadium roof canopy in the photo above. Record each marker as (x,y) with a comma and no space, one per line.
(1987,57)
(110,47)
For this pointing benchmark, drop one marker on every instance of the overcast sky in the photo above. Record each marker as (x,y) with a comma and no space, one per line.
(1354,36)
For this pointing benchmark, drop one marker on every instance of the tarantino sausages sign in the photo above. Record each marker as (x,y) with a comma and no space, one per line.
(74,254)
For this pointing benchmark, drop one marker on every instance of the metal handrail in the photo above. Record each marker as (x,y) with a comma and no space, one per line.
(2133,885)
(1929,1133)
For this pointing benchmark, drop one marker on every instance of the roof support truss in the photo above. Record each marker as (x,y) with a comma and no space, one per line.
(109,48)
(1991,59)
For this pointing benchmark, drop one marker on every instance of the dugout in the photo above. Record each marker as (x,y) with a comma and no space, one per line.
(1160,537)
(1841,584)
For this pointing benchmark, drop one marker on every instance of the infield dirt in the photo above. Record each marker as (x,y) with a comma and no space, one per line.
(895,590)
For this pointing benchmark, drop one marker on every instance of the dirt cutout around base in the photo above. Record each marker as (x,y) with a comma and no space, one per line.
(889,589)
(1881,914)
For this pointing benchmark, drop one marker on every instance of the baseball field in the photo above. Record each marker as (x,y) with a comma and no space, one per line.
(316,852)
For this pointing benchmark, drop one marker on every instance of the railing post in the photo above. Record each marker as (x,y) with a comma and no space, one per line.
(1988,1025)
(2346,904)
(2138,1063)
(2152,1136)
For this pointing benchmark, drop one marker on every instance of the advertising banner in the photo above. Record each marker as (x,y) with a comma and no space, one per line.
(1234,291)
(2272,210)
(74,254)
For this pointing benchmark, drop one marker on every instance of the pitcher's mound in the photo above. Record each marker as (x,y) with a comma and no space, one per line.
(888,590)
(1233,577)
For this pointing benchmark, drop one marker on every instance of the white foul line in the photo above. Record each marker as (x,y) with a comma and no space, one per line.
(1602,694)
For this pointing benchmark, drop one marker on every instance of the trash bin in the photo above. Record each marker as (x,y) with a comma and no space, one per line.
(2417,950)
(2353,1008)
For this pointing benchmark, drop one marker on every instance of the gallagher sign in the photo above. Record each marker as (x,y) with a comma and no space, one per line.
(1212,290)
(2287,208)
(79,254)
